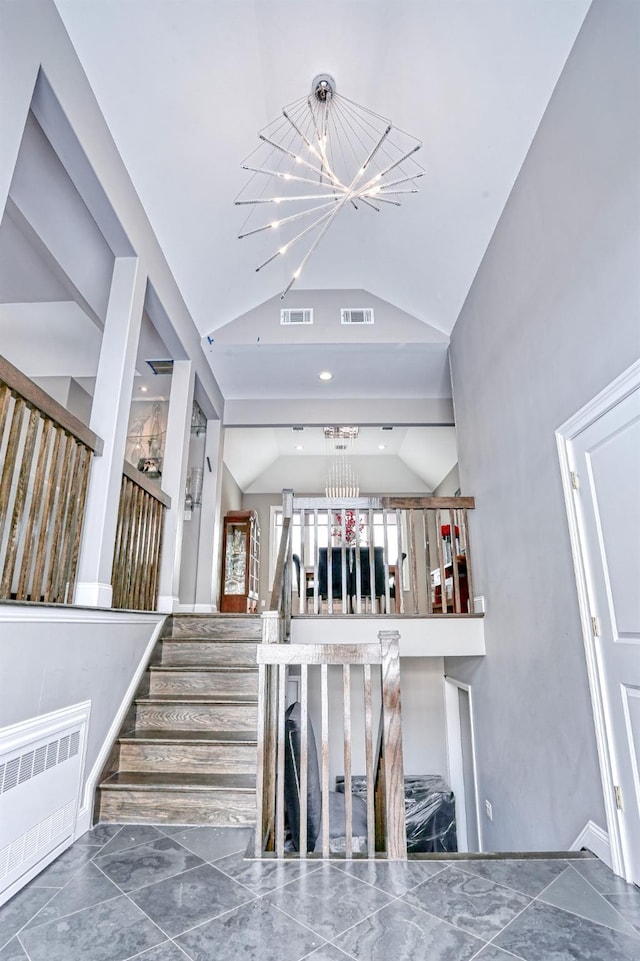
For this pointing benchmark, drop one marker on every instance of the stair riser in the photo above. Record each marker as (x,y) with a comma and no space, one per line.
(189,758)
(203,654)
(205,682)
(200,717)
(221,628)
(178,807)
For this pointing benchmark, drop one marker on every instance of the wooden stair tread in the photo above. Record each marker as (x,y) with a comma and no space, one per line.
(155,735)
(197,699)
(151,781)
(211,668)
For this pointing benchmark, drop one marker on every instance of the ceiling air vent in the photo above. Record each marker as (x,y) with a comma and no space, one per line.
(161,366)
(297,315)
(359,315)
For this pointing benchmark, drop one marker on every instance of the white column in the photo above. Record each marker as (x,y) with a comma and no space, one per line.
(110,420)
(174,480)
(207,570)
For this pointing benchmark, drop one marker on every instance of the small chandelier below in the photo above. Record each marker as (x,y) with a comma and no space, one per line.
(342,480)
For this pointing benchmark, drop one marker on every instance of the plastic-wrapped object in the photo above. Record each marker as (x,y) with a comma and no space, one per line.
(430,811)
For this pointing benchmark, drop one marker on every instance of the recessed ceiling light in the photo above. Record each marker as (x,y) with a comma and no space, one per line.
(325,375)
(144,389)
(299,447)
(382,446)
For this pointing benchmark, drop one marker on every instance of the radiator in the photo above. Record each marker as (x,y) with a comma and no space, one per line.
(41,768)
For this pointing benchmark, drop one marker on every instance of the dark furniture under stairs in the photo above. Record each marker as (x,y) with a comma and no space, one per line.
(188,754)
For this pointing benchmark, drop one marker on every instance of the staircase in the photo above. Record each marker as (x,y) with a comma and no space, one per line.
(190,755)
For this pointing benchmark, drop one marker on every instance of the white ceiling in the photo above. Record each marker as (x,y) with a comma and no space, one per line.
(185,85)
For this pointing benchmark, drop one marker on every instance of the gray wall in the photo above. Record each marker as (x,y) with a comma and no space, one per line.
(552,317)
(66,657)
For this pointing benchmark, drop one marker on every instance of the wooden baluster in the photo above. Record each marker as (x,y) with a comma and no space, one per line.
(400,578)
(159,536)
(22,487)
(385,541)
(413,565)
(467,555)
(261,766)
(316,561)
(426,514)
(324,701)
(51,469)
(58,517)
(358,567)
(373,587)
(118,565)
(396,835)
(25,588)
(281,701)
(348,798)
(5,403)
(10,459)
(81,498)
(329,563)
(368,751)
(454,563)
(304,758)
(440,553)
(60,588)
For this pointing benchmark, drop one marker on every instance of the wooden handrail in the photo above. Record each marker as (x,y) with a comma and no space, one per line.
(19,383)
(283,558)
(145,483)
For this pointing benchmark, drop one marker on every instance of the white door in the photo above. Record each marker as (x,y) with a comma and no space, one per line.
(605,457)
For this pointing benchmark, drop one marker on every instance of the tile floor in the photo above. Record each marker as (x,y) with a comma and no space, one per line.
(175,893)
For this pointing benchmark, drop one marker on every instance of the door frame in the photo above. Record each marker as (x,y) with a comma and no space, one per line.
(455,763)
(613,394)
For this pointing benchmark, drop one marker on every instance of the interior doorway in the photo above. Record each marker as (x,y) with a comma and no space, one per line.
(462,762)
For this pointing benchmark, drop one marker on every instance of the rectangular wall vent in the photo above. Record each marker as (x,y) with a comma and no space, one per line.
(356,315)
(296,315)
(41,762)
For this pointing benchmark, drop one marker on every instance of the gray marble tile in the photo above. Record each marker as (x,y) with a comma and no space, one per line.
(328,952)
(64,867)
(89,886)
(113,931)
(599,875)
(393,877)
(491,953)
(470,902)
(328,901)
(403,933)
(267,875)
(628,904)
(130,836)
(545,932)
(171,829)
(167,951)
(254,932)
(21,908)
(572,892)
(528,876)
(212,843)
(147,863)
(13,951)
(185,900)
(100,834)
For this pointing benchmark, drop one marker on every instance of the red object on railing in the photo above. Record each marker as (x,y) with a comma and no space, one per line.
(445,530)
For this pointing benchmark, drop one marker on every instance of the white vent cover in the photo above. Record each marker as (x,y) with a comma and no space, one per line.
(41,764)
(356,315)
(296,315)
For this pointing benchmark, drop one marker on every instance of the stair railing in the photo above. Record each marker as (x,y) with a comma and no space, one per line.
(43,485)
(393,555)
(138,544)
(384,777)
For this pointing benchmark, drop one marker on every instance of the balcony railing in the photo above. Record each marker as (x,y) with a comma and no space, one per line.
(379,555)
(45,458)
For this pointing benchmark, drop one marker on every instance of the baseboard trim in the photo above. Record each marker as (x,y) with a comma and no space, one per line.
(85,814)
(596,840)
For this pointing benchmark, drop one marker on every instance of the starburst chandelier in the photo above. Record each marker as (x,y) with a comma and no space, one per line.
(324,154)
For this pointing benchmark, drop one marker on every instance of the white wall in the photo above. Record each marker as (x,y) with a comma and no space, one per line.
(552,317)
